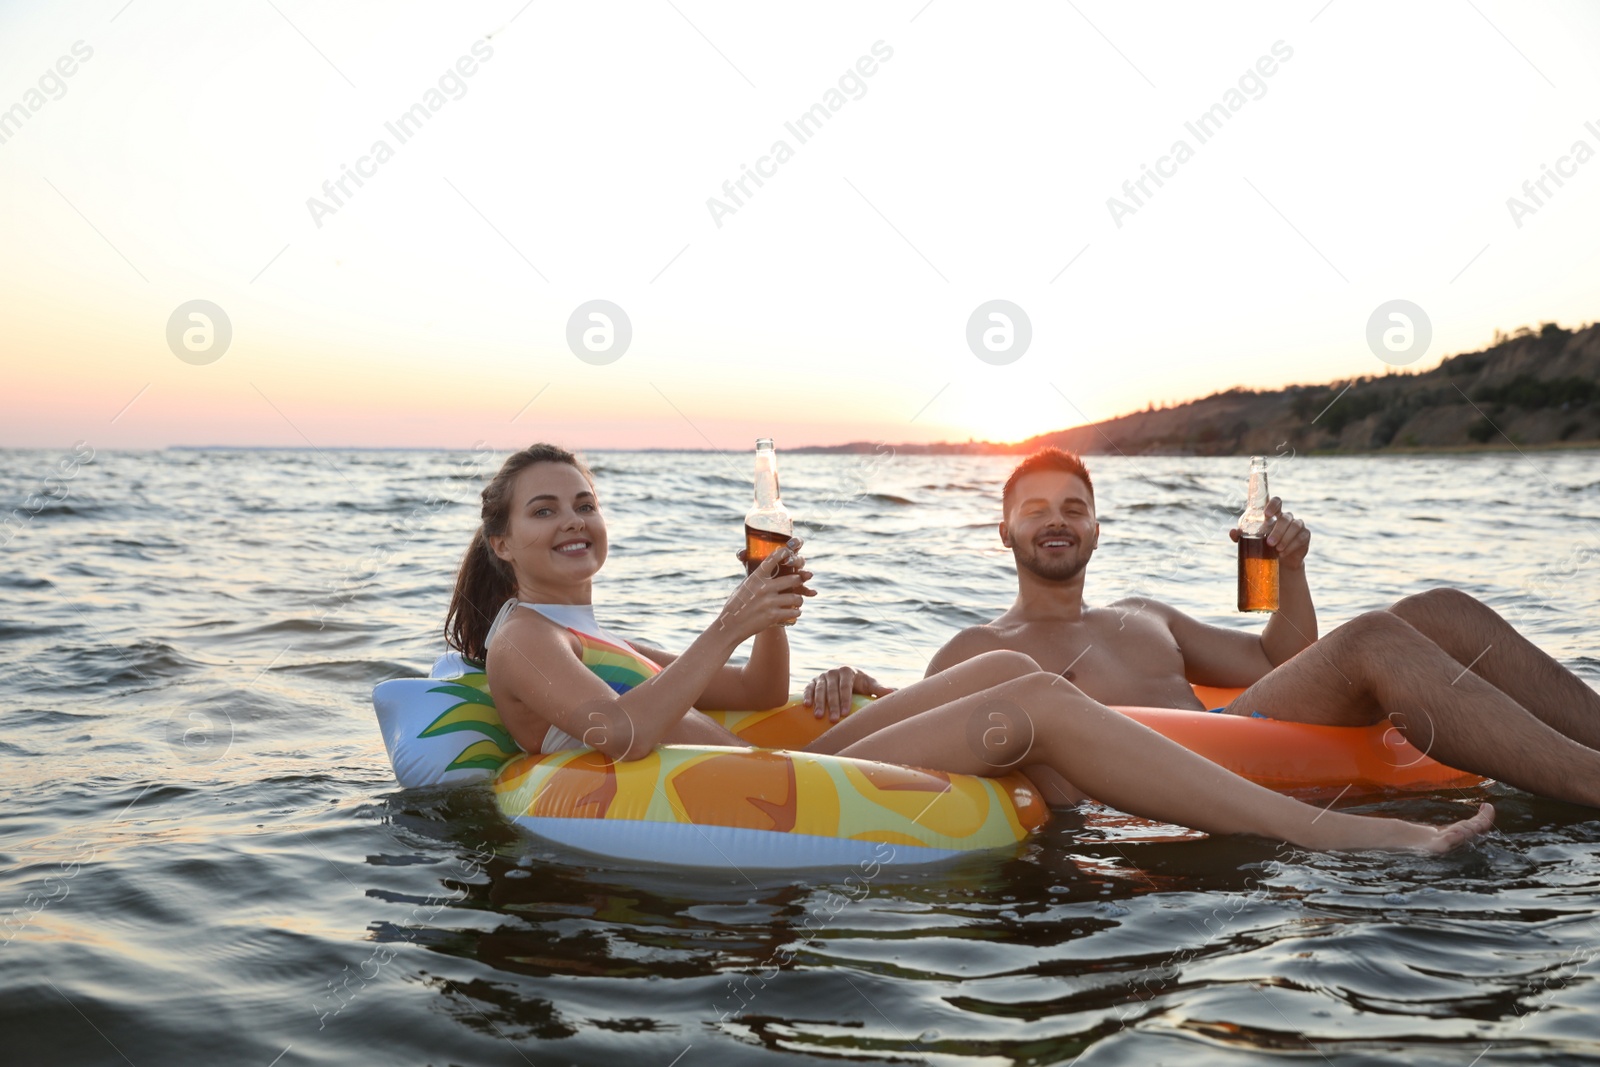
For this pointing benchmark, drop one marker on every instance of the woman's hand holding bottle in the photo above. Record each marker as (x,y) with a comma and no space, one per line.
(766,598)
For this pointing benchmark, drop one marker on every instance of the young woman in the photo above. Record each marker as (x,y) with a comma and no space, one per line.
(523,604)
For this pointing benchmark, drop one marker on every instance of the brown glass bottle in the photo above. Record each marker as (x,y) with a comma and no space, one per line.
(759,544)
(1258,561)
(767,526)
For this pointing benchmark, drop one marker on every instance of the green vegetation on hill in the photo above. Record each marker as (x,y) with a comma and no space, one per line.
(1531,387)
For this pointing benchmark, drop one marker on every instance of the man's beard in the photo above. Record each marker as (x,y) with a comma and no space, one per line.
(1056,570)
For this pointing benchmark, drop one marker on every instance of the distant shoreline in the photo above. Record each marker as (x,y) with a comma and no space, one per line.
(1449,450)
(1529,391)
(919,450)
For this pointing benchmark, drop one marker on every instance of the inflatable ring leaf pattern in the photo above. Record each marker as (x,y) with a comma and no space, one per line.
(470,694)
(484,755)
(474,711)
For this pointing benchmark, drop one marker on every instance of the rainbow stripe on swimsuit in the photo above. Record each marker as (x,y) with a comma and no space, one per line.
(619,666)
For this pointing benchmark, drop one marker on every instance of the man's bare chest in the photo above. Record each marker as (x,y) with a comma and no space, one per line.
(1129,664)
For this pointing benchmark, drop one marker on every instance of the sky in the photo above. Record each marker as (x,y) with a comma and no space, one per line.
(156,153)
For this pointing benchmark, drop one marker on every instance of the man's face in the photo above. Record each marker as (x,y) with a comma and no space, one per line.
(1050,526)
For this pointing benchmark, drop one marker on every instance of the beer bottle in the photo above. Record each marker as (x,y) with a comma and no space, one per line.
(767,526)
(1258,561)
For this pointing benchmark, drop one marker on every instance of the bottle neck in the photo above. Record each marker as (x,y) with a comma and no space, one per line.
(768,514)
(766,477)
(766,487)
(1254,518)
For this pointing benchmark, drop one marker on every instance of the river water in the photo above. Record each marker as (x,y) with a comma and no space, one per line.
(206,858)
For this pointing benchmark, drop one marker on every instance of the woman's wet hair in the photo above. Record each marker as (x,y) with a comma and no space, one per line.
(485,581)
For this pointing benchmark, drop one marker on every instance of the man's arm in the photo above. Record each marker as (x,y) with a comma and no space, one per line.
(1293,627)
(1216,655)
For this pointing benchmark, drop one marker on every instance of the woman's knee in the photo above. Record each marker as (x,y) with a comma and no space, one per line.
(1005,664)
(1029,718)
(1047,692)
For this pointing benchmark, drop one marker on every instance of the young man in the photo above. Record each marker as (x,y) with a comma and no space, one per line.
(1444,668)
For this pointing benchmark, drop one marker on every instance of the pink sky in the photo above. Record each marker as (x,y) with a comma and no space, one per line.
(177,161)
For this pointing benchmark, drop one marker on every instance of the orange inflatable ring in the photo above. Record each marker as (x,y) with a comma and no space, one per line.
(1280,755)
(1295,755)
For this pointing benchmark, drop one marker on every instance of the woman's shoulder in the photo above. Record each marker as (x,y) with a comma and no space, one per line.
(524,635)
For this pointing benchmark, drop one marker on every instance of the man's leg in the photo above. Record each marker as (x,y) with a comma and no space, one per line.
(1379,666)
(1472,633)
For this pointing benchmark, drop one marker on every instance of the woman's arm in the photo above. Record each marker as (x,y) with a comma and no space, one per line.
(540,680)
(759,683)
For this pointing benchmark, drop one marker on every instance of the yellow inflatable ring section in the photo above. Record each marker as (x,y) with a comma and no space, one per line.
(762,808)
(772,807)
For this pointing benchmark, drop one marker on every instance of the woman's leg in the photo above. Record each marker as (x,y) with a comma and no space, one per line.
(971,676)
(1042,718)
(697,728)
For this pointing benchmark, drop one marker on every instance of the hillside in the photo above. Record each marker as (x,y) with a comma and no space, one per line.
(1537,387)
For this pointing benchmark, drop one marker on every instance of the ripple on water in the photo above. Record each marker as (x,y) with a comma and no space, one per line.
(277,891)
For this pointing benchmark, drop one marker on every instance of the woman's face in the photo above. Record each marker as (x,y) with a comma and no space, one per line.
(555,534)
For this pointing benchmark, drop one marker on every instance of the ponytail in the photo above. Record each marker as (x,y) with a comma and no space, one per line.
(485,581)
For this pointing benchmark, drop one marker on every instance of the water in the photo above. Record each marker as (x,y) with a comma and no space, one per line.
(206,859)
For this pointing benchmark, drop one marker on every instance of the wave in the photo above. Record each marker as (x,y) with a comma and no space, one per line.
(367,671)
(64,510)
(30,629)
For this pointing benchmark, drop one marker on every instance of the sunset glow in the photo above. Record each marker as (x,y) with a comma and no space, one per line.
(400,220)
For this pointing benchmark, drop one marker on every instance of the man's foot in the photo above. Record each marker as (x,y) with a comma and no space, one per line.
(1397,835)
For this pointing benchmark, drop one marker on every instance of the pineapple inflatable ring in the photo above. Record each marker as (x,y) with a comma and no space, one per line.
(771,807)
(701,806)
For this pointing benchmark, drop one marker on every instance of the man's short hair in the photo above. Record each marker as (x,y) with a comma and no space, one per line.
(1046,459)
